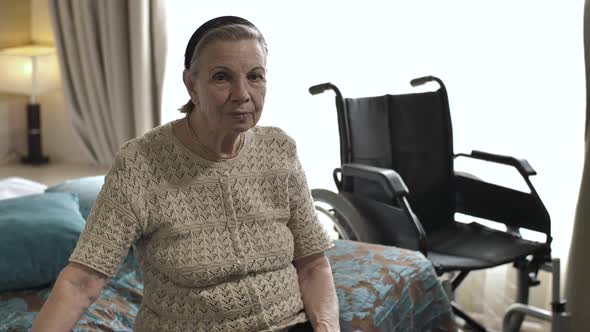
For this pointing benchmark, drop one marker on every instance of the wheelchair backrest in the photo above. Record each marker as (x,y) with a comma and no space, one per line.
(412,134)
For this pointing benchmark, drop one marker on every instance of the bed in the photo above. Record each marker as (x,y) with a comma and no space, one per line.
(379,288)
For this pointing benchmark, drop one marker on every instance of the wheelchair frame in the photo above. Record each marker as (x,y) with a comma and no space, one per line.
(397,192)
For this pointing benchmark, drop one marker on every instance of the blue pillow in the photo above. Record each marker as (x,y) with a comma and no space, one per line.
(37,235)
(87,189)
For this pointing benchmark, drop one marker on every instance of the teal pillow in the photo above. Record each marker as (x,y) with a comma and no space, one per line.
(87,189)
(37,235)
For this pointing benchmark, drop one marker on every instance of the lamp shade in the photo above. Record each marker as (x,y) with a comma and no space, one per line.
(30,70)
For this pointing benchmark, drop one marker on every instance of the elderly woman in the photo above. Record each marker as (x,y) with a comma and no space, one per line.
(217,209)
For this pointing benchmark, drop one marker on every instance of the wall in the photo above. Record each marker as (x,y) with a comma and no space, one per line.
(41,29)
(30,21)
(14,17)
(15,29)
(60,141)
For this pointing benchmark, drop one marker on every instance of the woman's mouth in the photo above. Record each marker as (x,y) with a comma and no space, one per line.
(239,115)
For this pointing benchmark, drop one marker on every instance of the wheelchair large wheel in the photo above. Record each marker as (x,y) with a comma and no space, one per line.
(343,218)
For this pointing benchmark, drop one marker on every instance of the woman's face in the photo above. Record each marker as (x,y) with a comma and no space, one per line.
(229,85)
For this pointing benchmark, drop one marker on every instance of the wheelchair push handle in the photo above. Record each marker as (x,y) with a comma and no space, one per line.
(425,79)
(420,81)
(321,88)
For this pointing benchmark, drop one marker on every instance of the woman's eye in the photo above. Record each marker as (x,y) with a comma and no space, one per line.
(220,77)
(256,77)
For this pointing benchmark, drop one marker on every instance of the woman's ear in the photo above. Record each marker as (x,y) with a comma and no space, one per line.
(187,78)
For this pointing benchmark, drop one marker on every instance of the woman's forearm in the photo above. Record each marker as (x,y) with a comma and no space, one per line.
(69,299)
(319,296)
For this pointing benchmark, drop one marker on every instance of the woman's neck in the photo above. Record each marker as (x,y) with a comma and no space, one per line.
(219,143)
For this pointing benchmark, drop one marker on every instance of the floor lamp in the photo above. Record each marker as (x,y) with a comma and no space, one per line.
(31,70)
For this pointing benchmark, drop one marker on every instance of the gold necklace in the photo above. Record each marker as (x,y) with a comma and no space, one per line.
(211,154)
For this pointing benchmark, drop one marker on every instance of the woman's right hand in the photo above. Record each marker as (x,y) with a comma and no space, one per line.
(76,288)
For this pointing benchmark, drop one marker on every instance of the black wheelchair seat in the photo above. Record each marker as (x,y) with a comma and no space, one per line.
(474,246)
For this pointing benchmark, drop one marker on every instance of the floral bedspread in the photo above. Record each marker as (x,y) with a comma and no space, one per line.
(379,288)
(383,288)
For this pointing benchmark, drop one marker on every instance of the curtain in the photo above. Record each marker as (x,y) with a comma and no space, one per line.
(578,269)
(112,56)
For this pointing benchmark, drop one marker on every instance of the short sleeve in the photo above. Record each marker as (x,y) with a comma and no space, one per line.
(308,234)
(112,226)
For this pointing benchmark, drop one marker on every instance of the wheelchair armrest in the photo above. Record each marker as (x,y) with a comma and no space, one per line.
(475,197)
(388,179)
(522,165)
(395,189)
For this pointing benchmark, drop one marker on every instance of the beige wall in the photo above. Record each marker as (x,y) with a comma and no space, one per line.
(15,29)
(59,140)
(15,22)
(41,29)
(30,21)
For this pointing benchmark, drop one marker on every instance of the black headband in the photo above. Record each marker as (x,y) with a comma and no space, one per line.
(206,27)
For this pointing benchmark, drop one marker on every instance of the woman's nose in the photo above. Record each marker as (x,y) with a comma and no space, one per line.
(240,92)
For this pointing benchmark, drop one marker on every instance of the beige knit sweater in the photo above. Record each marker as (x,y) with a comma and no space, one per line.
(215,239)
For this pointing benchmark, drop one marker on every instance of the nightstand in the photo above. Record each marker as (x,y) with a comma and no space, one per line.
(52,173)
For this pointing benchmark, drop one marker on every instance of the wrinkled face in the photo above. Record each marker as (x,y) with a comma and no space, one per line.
(229,85)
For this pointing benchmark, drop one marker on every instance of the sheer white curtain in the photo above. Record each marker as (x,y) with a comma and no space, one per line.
(514,72)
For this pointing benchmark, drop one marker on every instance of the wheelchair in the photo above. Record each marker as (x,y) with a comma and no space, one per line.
(389,141)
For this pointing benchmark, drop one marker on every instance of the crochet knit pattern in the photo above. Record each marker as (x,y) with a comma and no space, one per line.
(215,239)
